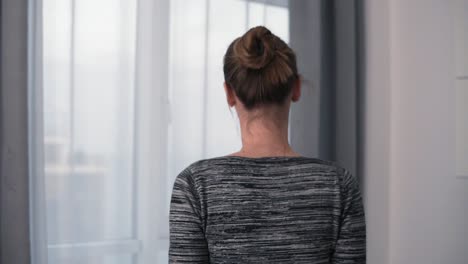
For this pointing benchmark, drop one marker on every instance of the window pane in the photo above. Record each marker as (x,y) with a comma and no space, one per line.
(186,82)
(256,14)
(277,20)
(88,104)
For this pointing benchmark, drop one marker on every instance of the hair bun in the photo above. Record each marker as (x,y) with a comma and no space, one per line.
(260,67)
(255,49)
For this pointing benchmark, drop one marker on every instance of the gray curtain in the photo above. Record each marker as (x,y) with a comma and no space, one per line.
(14,204)
(326,123)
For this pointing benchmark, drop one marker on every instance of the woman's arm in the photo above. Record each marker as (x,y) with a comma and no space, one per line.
(187,243)
(350,246)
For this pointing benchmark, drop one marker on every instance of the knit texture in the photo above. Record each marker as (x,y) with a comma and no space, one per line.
(233,209)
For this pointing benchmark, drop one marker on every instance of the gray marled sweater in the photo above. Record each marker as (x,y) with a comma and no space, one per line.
(233,209)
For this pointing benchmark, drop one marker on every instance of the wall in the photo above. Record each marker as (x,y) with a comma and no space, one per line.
(417,207)
(376,129)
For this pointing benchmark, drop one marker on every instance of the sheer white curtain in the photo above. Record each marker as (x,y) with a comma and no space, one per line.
(131,92)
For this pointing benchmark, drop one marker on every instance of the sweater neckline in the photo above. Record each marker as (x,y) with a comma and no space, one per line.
(264,157)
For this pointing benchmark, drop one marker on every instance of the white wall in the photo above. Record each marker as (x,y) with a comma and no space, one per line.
(416,207)
(461,77)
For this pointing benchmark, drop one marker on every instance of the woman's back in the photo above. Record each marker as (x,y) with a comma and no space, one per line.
(291,209)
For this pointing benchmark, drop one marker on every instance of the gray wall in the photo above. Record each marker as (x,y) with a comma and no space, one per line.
(428,203)
(416,207)
(14,220)
(376,126)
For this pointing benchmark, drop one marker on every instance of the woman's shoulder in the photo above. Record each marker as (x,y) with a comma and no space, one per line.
(222,163)
(202,173)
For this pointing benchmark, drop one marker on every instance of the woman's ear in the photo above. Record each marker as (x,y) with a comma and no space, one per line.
(230,97)
(296,90)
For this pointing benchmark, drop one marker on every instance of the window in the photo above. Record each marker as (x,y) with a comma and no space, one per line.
(88,84)
(132,94)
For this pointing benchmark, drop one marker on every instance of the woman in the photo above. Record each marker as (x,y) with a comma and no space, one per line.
(265,203)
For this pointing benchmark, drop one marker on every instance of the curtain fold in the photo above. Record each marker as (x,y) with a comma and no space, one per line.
(14,183)
(325,123)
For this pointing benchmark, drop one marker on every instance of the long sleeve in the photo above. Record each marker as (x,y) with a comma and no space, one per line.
(350,247)
(187,243)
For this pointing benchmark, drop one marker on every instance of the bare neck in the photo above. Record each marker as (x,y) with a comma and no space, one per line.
(265,136)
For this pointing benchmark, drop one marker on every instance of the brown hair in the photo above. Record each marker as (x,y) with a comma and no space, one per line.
(260,68)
